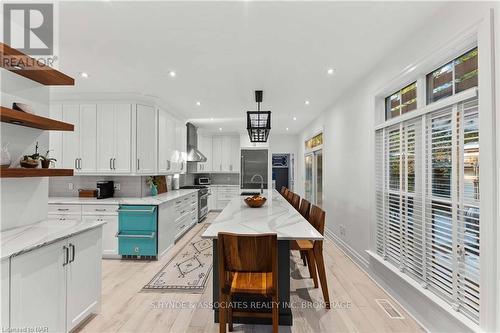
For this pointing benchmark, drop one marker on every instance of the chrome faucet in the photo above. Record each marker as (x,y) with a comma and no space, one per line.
(261,182)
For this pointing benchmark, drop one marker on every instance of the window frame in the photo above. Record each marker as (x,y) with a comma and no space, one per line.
(399,93)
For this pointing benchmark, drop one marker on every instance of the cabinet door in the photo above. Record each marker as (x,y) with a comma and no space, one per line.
(38,288)
(234,164)
(5,291)
(105,137)
(56,137)
(180,145)
(212,198)
(170,143)
(122,138)
(217,153)
(163,149)
(83,276)
(109,230)
(71,140)
(205,146)
(146,139)
(226,153)
(166,226)
(87,138)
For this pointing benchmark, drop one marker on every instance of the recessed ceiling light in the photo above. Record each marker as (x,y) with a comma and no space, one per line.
(307,102)
(220,129)
(287,128)
(84,75)
(172,73)
(198,103)
(330,71)
(294,118)
(211,118)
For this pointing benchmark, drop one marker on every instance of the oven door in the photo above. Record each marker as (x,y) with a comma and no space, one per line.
(202,206)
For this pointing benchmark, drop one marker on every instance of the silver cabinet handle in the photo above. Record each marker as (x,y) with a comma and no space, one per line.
(138,163)
(137,210)
(111,163)
(80,163)
(168,164)
(114,163)
(73,249)
(62,209)
(152,235)
(66,255)
(100,209)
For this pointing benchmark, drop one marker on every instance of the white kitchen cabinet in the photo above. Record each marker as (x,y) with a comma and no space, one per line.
(225,154)
(235,152)
(224,195)
(166,142)
(5,291)
(212,198)
(146,140)
(108,214)
(57,286)
(56,137)
(83,277)
(71,140)
(38,288)
(205,146)
(180,146)
(79,147)
(166,227)
(114,138)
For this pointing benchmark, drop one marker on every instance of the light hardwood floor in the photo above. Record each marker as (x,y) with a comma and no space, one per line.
(125,308)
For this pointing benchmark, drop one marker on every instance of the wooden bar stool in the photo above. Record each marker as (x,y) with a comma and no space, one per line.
(282,191)
(305,207)
(289,196)
(248,264)
(296,201)
(285,193)
(315,250)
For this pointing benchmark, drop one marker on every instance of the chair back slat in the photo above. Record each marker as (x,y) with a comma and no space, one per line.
(282,191)
(317,219)
(289,196)
(296,201)
(285,193)
(247,253)
(305,207)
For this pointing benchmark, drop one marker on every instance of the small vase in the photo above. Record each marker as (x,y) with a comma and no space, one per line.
(45,164)
(154,190)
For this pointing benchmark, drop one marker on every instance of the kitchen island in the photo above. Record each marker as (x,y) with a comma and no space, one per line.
(276,216)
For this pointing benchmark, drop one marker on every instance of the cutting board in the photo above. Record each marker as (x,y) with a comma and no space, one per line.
(161,184)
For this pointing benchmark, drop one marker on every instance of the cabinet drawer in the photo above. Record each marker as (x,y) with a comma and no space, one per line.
(132,217)
(100,209)
(65,209)
(137,243)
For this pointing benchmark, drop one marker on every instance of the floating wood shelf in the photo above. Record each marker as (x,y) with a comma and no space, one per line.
(24,65)
(30,120)
(36,172)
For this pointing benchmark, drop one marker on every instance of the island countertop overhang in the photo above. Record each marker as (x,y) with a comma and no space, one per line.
(276,216)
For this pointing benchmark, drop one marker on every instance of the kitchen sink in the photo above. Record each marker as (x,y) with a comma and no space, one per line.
(250,193)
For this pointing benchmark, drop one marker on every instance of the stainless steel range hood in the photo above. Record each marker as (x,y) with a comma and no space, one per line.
(193,154)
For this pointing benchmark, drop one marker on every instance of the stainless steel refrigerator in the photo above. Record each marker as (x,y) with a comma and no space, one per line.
(253,162)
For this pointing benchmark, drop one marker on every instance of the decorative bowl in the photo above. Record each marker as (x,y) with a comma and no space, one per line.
(256,201)
(29,163)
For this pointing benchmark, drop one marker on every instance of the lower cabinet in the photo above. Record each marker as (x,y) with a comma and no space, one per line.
(5,292)
(55,287)
(222,195)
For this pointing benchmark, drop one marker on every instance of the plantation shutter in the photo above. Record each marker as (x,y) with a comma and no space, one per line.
(427,202)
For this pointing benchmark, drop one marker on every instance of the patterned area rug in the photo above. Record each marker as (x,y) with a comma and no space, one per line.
(188,270)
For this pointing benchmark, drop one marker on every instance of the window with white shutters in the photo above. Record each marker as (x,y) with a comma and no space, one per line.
(427,199)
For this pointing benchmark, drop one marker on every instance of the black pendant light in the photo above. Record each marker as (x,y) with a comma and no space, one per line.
(258,122)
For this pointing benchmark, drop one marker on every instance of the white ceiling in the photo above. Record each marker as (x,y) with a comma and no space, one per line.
(223,51)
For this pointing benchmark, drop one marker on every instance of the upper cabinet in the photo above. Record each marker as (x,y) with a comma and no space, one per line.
(114,138)
(118,138)
(146,139)
(79,147)
(225,153)
(205,146)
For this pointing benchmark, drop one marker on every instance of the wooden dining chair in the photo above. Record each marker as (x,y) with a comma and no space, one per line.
(305,207)
(314,251)
(282,191)
(295,201)
(248,264)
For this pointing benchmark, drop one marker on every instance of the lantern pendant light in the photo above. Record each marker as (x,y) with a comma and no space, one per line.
(258,122)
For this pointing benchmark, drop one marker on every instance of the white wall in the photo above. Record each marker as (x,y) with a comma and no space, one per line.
(348,128)
(23,200)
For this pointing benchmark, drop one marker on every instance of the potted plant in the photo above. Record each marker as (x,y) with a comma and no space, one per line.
(46,160)
(153,185)
(31,161)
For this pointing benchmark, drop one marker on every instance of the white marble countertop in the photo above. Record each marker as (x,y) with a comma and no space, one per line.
(156,200)
(276,216)
(22,239)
